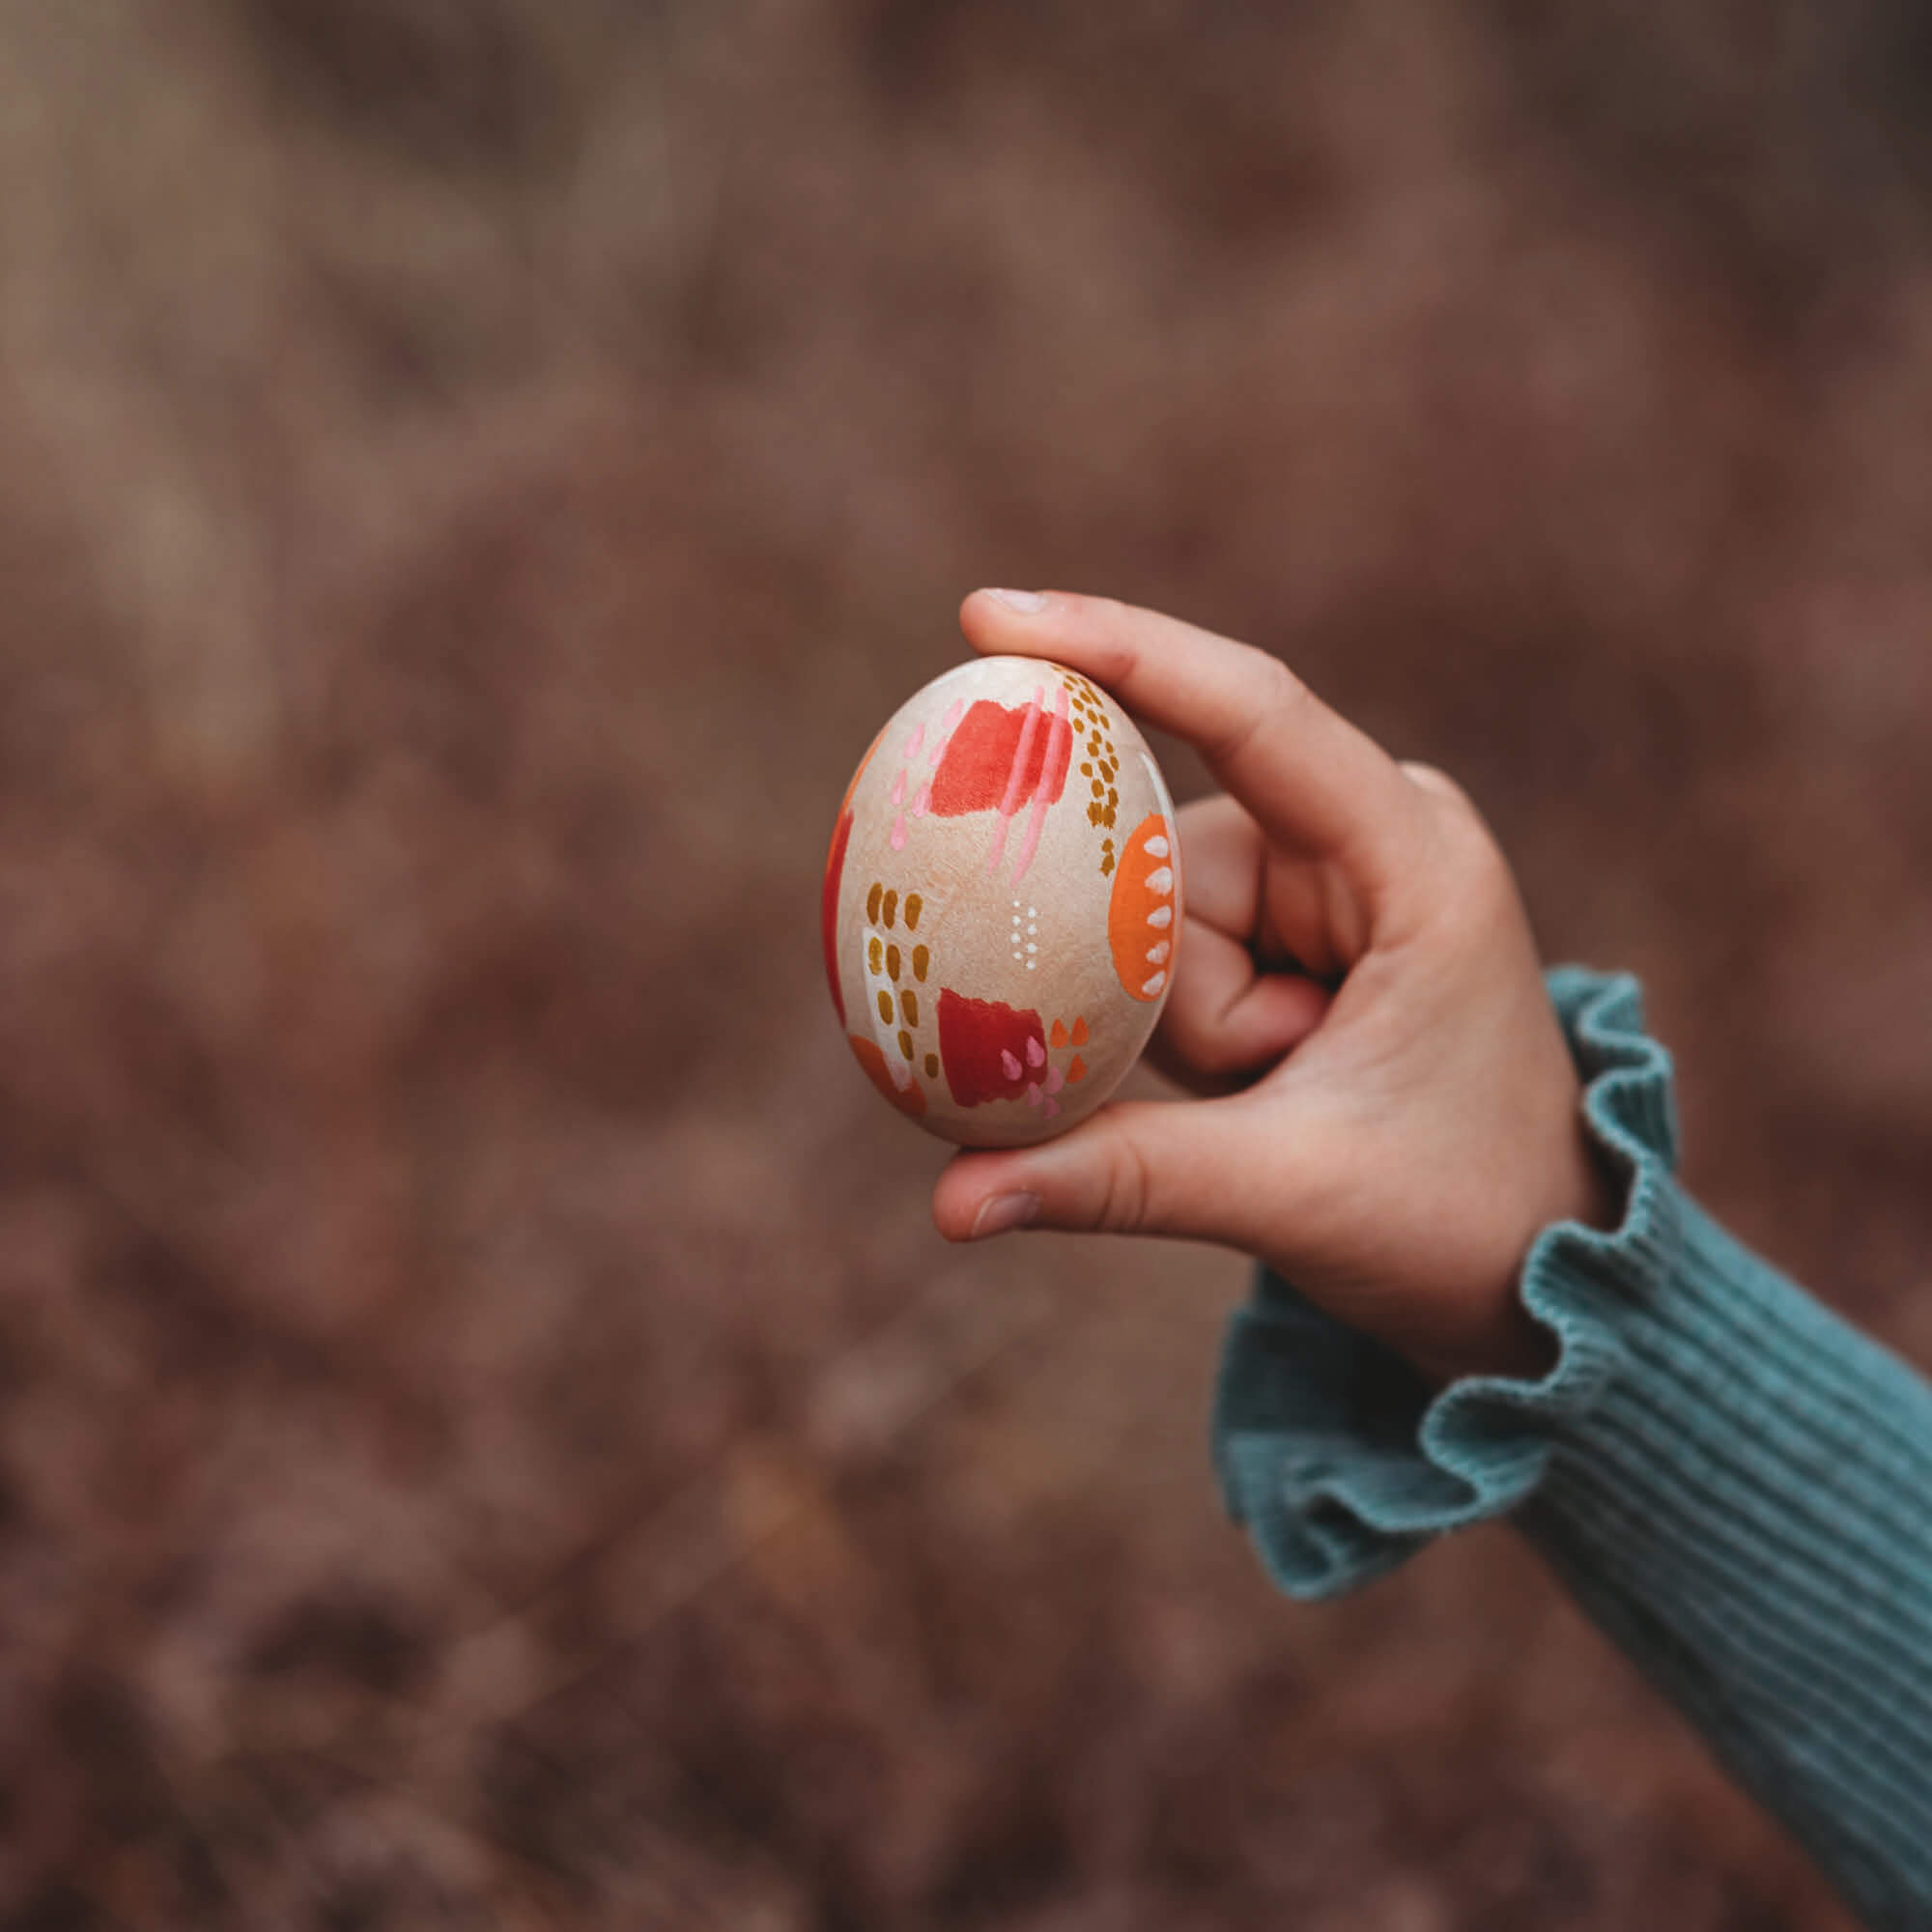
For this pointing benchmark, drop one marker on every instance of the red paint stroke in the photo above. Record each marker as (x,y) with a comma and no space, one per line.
(828,909)
(984,757)
(979,1040)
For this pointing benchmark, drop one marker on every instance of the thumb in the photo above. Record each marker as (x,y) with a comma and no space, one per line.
(1135,1168)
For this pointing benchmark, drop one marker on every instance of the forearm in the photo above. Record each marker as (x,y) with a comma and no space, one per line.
(1747,1511)
(1735,1483)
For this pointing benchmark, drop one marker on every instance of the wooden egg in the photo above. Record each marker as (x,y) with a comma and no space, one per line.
(1002,902)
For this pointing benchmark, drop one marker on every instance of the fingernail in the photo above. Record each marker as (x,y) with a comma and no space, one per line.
(1020,600)
(1001,1212)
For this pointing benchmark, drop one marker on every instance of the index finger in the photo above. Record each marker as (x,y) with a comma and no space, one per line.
(1309,777)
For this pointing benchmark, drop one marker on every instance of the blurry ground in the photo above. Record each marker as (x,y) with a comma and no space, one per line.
(487,1434)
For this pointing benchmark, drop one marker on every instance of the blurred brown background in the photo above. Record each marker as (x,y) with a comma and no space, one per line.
(487,1434)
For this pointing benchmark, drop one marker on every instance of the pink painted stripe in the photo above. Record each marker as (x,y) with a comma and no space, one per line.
(1056,734)
(1010,803)
(943,736)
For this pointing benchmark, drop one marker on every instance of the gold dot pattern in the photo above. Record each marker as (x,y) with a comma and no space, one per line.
(1101,766)
(898,1006)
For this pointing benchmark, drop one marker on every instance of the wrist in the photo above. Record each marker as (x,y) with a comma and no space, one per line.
(1501,1337)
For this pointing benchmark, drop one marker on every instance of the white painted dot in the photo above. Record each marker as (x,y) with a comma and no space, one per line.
(1161,915)
(1155,848)
(1031,910)
(1155,984)
(1030,947)
(1031,928)
(1161,881)
(1031,964)
(1158,954)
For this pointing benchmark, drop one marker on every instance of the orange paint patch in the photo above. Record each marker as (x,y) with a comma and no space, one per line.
(1058,1036)
(909,1099)
(1076,1069)
(1143,923)
(1079,1033)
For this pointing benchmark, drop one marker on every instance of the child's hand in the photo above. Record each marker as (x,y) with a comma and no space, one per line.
(1397,1113)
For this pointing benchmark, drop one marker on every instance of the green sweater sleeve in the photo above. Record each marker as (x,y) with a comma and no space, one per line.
(1735,1484)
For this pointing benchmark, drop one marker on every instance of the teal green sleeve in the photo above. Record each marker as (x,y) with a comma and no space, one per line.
(1735,1484)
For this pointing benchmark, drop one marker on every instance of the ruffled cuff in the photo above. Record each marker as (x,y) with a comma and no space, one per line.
(1334,1453)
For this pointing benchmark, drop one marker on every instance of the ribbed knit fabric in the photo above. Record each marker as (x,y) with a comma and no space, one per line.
(1735,1484)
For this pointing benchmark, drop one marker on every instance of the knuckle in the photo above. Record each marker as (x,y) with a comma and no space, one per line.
(1101,619)
(1286,687)
(1283,692)
(1432,779)
(1278,694)
(1465,856)
(1478,885)
(1123,1197)
(1104,628)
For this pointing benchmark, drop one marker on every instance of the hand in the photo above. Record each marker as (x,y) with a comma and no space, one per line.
(1390,1114)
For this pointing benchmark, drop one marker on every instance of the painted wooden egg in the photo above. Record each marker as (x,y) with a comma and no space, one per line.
(1002,902)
